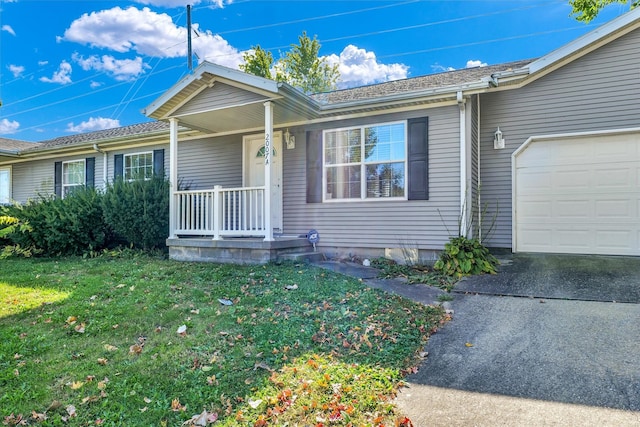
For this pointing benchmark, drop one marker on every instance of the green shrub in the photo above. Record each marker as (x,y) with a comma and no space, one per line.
(69,226)
(138,211)
(10,225)
(465,257)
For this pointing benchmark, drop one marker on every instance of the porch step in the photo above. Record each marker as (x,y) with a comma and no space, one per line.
(303,256)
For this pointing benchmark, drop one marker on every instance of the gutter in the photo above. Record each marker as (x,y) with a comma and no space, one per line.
(445,92)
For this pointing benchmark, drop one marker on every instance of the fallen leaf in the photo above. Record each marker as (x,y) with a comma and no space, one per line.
(38,417)
(262,365)
(147,400)
(110,347)
(80,328)
(291,287)
(71,320)
(255,403)
(143,409)
(182,330)
(121,285)
(176,406)
(71,410)
(196,311)
(225,301)
(102,361)
(135,349)
(206,368)
(468,344)
(76,385)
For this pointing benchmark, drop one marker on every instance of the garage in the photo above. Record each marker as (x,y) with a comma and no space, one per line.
(578,194)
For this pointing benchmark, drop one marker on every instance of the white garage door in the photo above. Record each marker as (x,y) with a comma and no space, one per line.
(578,195)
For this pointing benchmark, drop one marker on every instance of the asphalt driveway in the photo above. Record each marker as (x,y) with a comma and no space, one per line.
(565,354)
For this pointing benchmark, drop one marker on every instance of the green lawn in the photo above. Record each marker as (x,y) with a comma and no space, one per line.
(96,342)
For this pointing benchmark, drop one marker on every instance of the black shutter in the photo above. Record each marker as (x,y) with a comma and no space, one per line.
(314,166)
(90,172)
(418,158)
(57,178)
(118,166)
(158,163)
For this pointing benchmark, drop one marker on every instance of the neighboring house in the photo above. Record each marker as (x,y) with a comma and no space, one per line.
(533,156)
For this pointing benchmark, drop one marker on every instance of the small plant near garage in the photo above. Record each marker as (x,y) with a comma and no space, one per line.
(465,257)
(413,273)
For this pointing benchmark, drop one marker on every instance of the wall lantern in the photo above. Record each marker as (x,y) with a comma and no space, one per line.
(290,140)
(498,140)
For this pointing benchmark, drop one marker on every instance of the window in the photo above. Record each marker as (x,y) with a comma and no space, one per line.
(367,162)
(5,186)
(72,176)
(138,166)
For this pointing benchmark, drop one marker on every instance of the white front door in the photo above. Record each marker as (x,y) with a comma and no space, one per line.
(254,172)
(5,185)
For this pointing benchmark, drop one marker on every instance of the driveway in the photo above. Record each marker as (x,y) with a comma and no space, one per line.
(563,355)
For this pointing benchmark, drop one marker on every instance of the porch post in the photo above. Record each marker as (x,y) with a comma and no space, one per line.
(173,175)
(268,148)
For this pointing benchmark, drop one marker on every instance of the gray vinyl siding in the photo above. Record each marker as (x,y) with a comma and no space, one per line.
(382,224)
(596,92)
(217,97)
(204,163)
(30,179)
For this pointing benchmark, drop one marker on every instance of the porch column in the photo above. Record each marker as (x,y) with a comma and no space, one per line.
(173,175)
(268,148)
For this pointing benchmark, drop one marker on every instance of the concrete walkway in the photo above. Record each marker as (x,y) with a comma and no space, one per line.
(534,361)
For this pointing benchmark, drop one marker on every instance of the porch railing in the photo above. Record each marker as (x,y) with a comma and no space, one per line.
(220,212)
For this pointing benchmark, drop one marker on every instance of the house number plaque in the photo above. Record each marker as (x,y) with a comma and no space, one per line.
(267,148)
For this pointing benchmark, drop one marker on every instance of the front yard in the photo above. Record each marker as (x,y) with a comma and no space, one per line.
(133,340)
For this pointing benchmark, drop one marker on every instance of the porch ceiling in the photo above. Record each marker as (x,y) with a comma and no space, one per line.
(245,117)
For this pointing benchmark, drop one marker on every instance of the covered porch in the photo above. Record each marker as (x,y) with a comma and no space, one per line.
(240,223)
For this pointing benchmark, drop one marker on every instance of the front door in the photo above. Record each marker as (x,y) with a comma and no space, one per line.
(254,172)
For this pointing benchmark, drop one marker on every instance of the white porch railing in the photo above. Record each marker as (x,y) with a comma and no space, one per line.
(220,212)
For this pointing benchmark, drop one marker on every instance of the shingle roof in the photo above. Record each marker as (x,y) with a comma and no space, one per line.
(83,138)
(431,81)
(15,145)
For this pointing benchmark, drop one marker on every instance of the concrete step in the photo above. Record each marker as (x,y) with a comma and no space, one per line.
(303,256)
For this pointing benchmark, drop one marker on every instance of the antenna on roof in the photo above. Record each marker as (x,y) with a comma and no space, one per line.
(189,52)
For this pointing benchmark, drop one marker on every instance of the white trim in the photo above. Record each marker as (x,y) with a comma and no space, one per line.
(10,192)
(464,164)
(236,76)
(64,185)
(124,163)
(363,164)
(531,140)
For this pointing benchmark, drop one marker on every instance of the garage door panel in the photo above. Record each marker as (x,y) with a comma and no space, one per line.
(614,209)
(579,195)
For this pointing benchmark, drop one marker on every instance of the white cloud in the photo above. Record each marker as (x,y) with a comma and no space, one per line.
(120,69)
(94,85)
(148,33)
(7,126)
(360,67)
(16,70)
(182,3)
(42,63)
(93,124)
(437,68)
(62,76)
(475,63)
(8,29)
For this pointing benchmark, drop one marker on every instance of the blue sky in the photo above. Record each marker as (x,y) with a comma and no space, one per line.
(80,65)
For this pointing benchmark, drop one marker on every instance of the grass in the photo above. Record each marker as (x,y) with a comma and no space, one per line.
(94,342)
(414,274)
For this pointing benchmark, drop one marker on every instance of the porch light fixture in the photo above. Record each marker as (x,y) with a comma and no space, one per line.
(498,140)
(290,140)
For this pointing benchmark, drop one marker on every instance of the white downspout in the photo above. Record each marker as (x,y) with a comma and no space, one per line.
(463,220)
(478,168)
(268,148)
(173,174)
(104,165)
